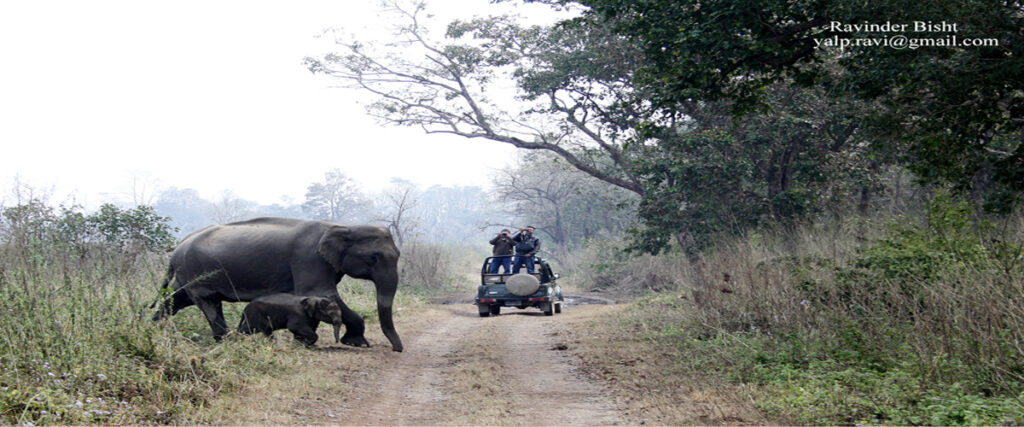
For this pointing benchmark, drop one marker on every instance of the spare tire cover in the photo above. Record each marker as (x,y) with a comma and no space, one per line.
(522,284)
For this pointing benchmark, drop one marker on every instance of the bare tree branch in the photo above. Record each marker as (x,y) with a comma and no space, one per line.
(440,86)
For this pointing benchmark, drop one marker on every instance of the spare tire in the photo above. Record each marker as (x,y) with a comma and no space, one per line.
(522,284)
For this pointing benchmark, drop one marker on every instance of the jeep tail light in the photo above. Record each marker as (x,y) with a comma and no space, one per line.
(486,299)
(538,299)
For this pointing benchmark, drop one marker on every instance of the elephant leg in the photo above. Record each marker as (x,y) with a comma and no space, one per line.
(163,311)
(179,301)
(244,326)
(214,313)
(305,336)
(311,282)
(355,328)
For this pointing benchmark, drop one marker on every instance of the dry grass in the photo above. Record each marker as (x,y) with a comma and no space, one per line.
(476,386)
(618,345)
(910,320)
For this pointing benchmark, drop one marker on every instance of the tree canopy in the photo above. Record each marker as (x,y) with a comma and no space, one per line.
(956,108)
(724,115)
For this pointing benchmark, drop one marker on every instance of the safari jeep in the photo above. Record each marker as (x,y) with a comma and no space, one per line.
(519,290)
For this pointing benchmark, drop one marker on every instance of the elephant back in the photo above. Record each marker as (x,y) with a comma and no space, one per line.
(522,284)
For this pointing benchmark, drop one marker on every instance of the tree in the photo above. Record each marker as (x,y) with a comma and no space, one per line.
(568,86)
(712,176)
(564,204)
(454,214)
(133,230)
(337,199)
(44,238)
(185,208)
(397,212)
(581,91)
(229,208)
(958,110)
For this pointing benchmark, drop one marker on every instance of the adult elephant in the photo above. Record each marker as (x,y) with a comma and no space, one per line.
(245,260)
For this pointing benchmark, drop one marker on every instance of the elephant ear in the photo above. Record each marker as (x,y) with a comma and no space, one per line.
(333,245)
(309,306)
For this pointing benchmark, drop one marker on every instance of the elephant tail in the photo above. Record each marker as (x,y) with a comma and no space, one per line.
(165,284)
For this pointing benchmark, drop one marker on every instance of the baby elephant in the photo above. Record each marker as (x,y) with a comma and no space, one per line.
(300,314)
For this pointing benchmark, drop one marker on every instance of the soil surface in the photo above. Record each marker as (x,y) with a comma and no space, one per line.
(538,383)
(517,368)
(575,368)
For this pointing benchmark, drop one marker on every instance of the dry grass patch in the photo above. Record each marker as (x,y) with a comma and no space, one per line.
(476,385)
(616,346)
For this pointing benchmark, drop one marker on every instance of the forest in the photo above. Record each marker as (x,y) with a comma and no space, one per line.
(834,227)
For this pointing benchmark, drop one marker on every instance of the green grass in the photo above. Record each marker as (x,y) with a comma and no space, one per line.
(923,325)
(810,380)
(77,349)
(81,348)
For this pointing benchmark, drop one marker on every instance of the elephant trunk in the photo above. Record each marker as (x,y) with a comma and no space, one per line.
(337,331)
(386,289)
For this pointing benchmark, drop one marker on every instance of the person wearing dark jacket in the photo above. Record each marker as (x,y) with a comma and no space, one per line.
(526,247)
(501,253)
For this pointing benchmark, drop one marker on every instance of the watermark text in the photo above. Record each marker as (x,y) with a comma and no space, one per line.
(897,35)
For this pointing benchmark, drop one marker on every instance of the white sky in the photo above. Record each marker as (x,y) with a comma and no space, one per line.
(211,95)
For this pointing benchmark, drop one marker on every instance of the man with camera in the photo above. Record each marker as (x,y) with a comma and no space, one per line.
(526,246)
(501,253)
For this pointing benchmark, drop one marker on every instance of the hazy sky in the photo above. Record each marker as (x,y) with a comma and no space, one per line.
(211,95)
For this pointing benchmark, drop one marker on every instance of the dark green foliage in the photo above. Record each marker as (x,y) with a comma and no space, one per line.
(695,50)
(33,224)
(699,184)
(711,177)
(126,227)
(911,257)
(957,109)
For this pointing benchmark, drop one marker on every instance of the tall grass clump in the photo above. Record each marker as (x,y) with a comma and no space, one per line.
(906,319)
(604,266)
(922,324)
(77,343)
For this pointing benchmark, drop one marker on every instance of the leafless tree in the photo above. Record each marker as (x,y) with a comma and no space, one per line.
(396,213)
(229,208)
(563,203)
(336,199)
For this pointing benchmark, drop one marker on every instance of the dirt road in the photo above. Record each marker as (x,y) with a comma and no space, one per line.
(508,370)
(457,369)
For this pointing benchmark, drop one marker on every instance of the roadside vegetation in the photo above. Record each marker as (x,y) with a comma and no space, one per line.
(836,230)
(898,320)
(832,236)
(77,341)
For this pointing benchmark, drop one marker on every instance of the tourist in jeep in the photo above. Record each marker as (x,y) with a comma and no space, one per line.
(501,252)
(526,247)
